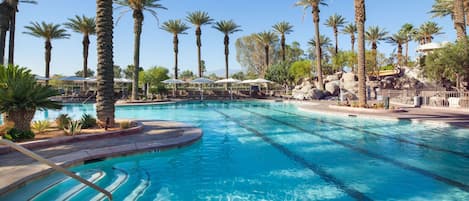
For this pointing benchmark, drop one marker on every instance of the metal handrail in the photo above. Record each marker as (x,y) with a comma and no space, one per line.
(54,166)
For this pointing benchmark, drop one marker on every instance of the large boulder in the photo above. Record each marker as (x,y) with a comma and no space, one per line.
(333,87)
(317,94)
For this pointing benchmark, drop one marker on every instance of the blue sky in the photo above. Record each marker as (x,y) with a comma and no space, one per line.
(253,15)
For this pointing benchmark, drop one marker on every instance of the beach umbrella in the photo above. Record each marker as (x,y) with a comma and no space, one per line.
(173,81)
(261,80)
(201,81)
(247,82)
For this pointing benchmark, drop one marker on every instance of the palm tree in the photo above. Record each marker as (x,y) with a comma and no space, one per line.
(283,28)
(426,32)
(266,38)
(175,27)
(138,7)
(408,30)
(459,21)
(398,39)
(360,18)
(86,26)
(48,32)
(314,4)
(105,66)
(5,10)
(324,42)
(23,96)
(374,35)
(227,27)
(351,29)
(198,19)
(14,5)
(336,21)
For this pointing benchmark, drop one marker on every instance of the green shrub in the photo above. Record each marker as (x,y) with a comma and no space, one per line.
(125,124)
(354,104)
(40,126)
(87,121)
(18,135)
(74,127)
(62,121)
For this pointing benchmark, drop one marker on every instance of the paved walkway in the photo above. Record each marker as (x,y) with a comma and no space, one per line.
(16,169)
(451,117)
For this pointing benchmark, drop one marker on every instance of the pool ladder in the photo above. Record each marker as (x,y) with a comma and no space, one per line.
(54,166)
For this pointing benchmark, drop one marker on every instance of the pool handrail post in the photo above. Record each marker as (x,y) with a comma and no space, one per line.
(53,166)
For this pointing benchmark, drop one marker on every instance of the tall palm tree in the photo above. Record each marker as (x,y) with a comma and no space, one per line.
(283,28)
(426,32)
(227,27)
(266,38)
(175,27)
(48,32)
(324,42)
(105,67)
(408,30)
(398,39)
(198,19)
(314,4)
(459,21)
(86,26)
(374,35)
(5,10)
(351,29)
(336,21)
(11,44)
(360,18)
(138,7)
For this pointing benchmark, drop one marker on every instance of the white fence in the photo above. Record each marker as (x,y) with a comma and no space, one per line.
(444,99)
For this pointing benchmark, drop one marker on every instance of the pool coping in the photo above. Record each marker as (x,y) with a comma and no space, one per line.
(76,138)
(31,172)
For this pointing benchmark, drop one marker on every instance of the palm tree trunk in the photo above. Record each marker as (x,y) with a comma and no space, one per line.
(315,8)
(266,49)
(3,34)
(105,66)
(284,51)
(352,40)
(48,47)
(399,54)
(86,44)
(374,53)
(459,22)
(21,118)
(198,33)
(138,21)
(466,11)
(227,52)
(406,59)
(176,51)
(360,21)
(336,36)
(5,10)
(11,43)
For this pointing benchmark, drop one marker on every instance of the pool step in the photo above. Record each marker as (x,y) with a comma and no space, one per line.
(142,186)
(92,175)
(121,178)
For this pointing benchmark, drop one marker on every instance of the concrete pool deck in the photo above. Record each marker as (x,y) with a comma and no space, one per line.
(17,170)
(423,115)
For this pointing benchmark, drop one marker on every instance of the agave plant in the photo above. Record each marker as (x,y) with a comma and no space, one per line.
(21,96)
(74,127)
(40,126)
(87,121)
(62,121)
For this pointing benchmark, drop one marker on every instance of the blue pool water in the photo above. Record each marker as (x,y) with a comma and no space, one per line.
(273,151)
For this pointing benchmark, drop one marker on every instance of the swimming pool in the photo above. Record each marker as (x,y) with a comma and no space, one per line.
(273,151)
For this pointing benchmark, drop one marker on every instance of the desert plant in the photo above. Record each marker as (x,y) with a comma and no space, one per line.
(62,121)
(40,126)
(87,121)
(125,124)
(18,135)
(74,127)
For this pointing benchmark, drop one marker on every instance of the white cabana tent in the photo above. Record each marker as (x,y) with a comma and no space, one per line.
(200,81)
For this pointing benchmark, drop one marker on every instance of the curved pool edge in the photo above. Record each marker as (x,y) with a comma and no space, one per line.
(21,176)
